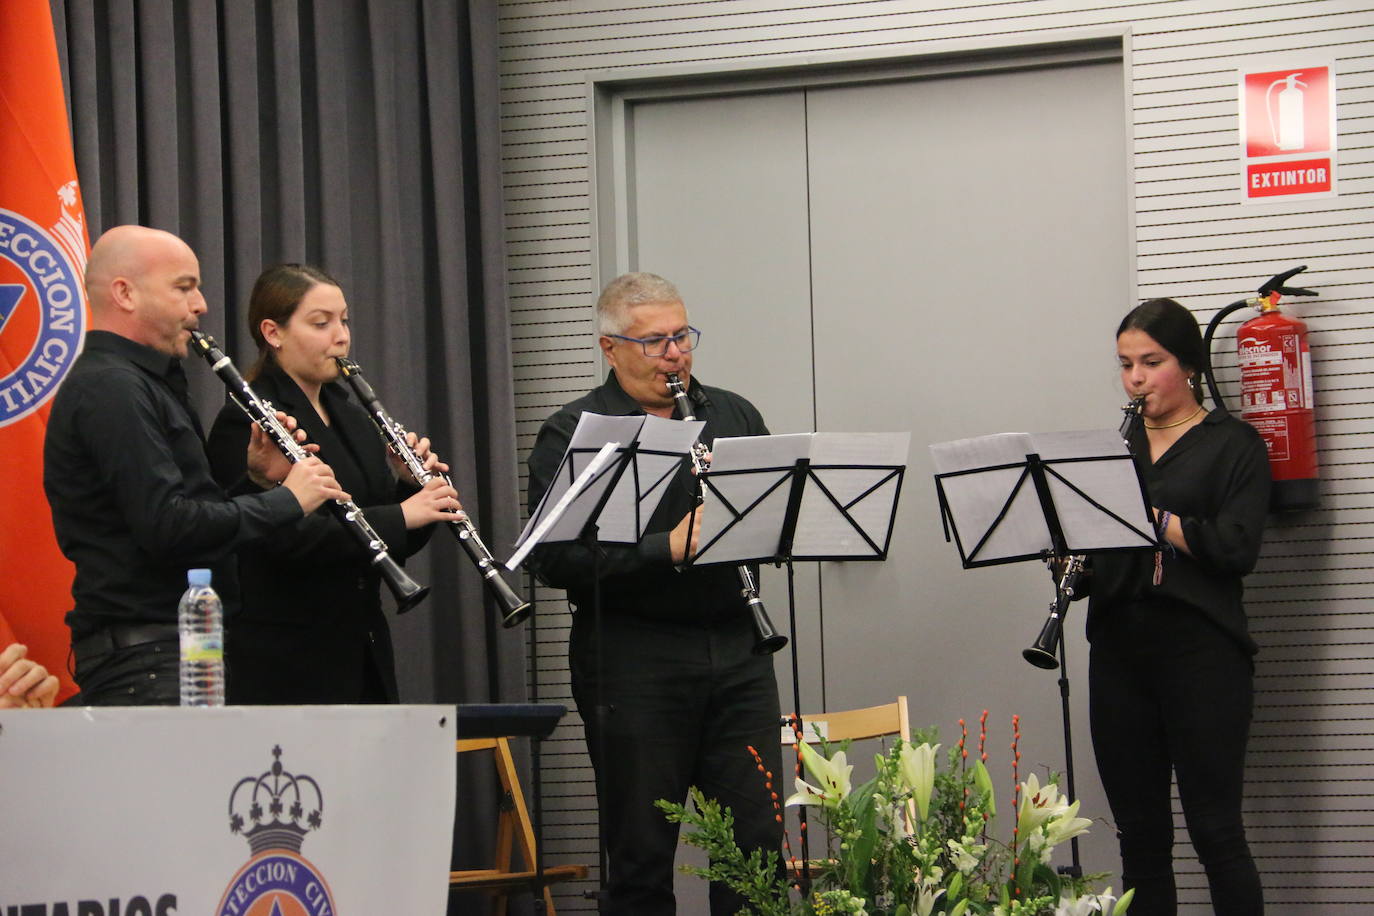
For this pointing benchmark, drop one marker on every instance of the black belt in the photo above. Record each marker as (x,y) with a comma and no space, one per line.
(114,636)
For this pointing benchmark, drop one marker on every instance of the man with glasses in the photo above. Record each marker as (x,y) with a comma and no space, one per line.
(671,695)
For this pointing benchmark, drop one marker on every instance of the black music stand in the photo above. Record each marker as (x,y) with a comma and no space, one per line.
(805,496)
(617,469)
(1019,496)
(1043,496)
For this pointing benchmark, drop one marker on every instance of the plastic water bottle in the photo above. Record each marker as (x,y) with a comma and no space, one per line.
(200,620)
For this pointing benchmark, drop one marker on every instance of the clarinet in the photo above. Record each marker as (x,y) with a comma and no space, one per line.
(514,609)
(768,640)
(406,590)
(1044,652)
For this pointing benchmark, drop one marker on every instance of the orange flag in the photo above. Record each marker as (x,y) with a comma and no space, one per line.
(43,321)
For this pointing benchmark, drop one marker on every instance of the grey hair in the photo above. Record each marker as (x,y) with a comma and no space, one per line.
(626,291)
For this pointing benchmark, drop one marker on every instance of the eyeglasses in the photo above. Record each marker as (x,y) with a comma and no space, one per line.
(655,347)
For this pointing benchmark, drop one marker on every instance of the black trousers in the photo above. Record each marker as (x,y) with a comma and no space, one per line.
(1171,693)
(682,704)
(146,674)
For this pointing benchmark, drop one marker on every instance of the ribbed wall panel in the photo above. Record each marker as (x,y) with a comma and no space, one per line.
(1310,801)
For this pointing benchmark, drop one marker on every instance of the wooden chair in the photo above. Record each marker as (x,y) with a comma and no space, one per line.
(512,826)
(890,720)
(887,721)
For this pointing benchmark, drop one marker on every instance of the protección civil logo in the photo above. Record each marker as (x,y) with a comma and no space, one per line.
(42,312)
(275,811)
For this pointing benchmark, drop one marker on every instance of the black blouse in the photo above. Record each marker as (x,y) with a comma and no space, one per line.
(1215,480)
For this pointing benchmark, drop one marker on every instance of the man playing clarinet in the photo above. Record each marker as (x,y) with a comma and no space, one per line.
(125,472)
(670,692)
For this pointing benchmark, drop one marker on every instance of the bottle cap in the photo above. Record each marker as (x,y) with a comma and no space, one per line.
(197,577)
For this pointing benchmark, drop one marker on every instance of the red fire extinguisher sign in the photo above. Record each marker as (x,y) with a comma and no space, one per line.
(1288,132)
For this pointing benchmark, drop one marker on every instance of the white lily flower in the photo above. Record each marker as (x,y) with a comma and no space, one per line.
(927,895)
(1093,903)
(832,775)
(918,773)
(1038,805)
(1066,825)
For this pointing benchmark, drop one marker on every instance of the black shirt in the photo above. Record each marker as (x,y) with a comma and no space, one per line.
(312,629)
(315,566)
(640,579)
(133,502)
(1215,480)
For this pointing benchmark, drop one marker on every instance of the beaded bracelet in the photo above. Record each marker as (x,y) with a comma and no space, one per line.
(1164,517)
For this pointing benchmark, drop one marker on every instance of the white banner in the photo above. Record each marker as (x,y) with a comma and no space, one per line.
(237,811)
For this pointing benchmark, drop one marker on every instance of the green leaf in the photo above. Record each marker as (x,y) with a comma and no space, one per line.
(1050,878)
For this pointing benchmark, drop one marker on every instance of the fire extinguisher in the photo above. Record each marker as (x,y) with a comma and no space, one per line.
(1276,390)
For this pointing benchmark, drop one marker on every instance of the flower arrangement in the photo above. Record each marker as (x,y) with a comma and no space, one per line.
(916,840)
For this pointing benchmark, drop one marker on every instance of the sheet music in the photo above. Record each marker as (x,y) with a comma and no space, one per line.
(740,491)
(754,474)
(1107,482)
(976,499)
(1095,462)
(541,524)
(825,530)
(583,478)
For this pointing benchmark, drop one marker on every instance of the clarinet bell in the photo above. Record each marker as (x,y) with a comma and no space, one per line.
(767,639)
(403,588)
(1042,653)
(514,609)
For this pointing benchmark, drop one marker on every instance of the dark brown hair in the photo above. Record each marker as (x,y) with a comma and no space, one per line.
(276,295)
(1175,329)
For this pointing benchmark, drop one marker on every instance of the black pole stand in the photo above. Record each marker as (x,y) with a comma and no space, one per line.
(536,775)
(1074,870)
(804,882)
(601,713)
(1036,468)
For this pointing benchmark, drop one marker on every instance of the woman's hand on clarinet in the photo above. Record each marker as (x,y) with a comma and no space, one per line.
(422,451)
(267,466)
(420,447)
(312,482)
(436,502)
(678,546)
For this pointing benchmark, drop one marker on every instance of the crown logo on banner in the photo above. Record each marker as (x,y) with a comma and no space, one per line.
(292,801)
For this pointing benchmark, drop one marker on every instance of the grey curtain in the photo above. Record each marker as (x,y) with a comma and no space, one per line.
(361,136)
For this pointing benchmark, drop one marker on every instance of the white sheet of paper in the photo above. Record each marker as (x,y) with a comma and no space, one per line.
(592,432)
(976,499)
(663,444)
(538,528)
(758,537)
(1112,484)
(822,529)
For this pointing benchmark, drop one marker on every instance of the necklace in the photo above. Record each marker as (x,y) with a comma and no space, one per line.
(1178,422)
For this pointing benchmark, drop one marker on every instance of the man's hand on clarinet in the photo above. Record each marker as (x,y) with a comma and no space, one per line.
(312,483)
(267,466)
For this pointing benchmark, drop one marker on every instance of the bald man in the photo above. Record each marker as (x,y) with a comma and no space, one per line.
(128,481)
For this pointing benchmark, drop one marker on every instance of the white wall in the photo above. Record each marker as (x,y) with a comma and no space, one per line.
(1308,793)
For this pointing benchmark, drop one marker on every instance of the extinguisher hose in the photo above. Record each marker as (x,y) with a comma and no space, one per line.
(1212,326)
